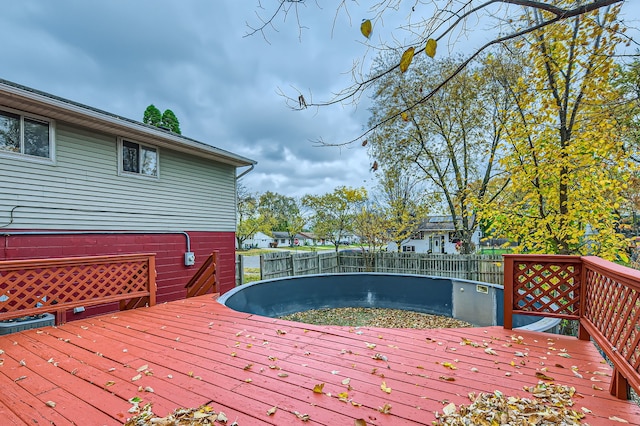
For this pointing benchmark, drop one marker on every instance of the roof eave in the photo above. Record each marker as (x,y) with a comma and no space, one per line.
(21,97)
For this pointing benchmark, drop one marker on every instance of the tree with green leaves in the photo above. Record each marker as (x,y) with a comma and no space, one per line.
(170,121)
(566,156)
(283,213)
(249,220)
(371,223)
(152,116)
(402,195)
(167,119)
(452,141)
(333,213)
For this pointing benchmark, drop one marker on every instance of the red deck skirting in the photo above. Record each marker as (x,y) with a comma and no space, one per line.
(196,351)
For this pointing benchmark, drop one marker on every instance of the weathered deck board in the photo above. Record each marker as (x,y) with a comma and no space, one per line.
(196,351)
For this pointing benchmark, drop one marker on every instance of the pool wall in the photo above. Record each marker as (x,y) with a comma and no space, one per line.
(478,303)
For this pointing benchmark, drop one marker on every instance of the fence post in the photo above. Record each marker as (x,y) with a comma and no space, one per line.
(261,266)
(240,268)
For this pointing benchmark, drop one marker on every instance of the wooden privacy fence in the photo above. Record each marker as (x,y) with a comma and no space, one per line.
(286,264)
(37,286)
(603,296)
(485,268)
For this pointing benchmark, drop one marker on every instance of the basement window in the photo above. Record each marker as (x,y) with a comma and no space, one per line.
(26,135)
(138,159)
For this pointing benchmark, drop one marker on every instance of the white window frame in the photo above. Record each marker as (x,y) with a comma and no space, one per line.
(122,172)
(51,159)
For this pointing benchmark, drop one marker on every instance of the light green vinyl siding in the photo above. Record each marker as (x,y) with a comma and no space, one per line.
(83,191)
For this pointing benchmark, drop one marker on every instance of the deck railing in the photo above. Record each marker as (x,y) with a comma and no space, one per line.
(603,296)
(37,286)
(205,280)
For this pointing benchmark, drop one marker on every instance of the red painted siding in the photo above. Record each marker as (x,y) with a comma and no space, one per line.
(169,249)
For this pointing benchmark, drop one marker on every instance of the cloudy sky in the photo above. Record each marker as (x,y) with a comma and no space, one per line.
(193,57)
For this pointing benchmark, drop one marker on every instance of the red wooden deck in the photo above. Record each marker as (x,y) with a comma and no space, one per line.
(196,351)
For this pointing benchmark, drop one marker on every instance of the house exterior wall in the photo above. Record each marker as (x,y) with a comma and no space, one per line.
(81,191)
(172,275)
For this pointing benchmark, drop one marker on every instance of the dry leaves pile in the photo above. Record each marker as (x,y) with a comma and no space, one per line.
(375,317)
(551,405)
(204,415)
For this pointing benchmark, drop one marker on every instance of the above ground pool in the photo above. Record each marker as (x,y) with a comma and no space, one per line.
(481,304)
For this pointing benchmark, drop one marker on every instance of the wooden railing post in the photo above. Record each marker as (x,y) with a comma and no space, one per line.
(508,293)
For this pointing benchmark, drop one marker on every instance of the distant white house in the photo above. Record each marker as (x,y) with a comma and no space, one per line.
(282,239)
(259,240)
(435,234)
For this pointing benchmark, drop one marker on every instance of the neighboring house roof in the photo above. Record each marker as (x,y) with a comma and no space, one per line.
(437,223)
(282,234)
(37,102)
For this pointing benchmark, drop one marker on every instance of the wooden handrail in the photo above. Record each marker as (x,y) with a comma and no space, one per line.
(205,280)
(36,286)
(603,296)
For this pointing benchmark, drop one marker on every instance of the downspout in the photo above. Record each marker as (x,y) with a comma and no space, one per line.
(251,167)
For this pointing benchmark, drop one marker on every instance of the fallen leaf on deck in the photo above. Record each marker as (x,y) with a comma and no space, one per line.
(136,377)
(346,381)
(303,417)
(271,411)
(370,345)
(552,405)
(278,331)
(564,355)
(385,409)
(222,418)
(449,409)
(490,351)
(50,404)
(360,422)
(618,419)
(447,379)
(318,388)
(380,357)
(543,376)
(109,383)
(141,369)
(385,388)
(449,365)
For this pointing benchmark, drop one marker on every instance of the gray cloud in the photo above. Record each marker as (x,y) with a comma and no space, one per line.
(192,57)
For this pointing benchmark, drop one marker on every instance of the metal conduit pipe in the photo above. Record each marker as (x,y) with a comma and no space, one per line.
(188,239)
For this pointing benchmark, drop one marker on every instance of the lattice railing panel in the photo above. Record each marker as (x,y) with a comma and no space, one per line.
(613,307)
(546,287)
(43,285)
